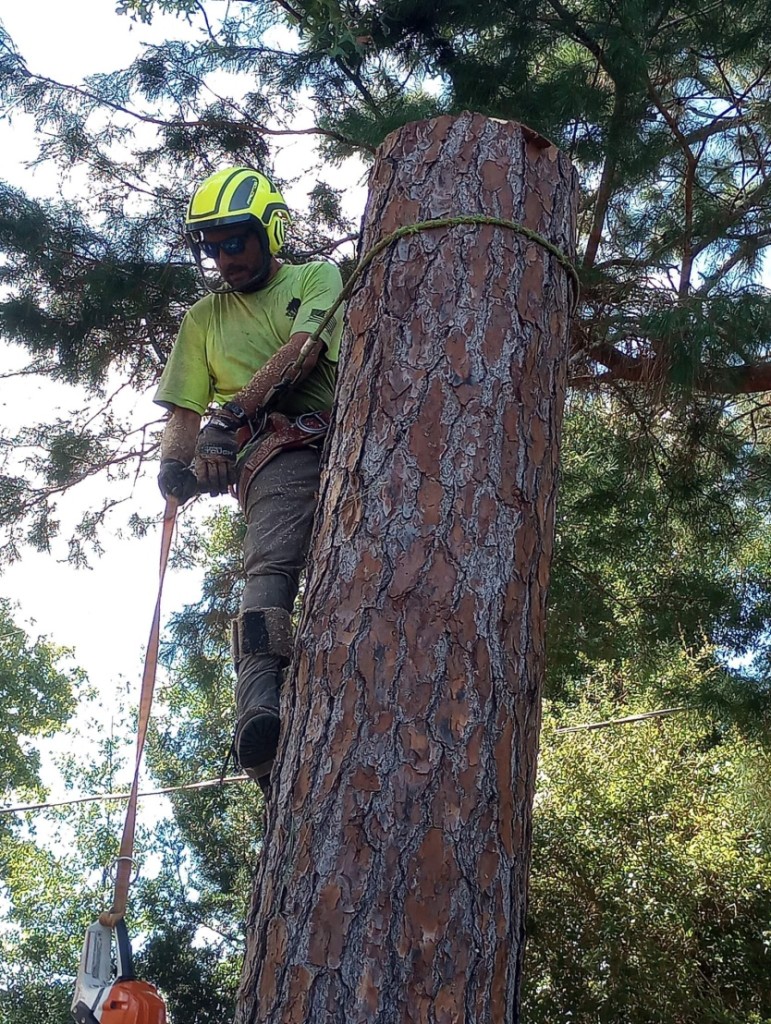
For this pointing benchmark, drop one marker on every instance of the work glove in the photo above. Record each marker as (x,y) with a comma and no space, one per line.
(215,455)
(176,480)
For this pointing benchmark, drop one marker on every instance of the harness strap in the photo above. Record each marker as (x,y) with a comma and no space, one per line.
(279,434)
(126,856)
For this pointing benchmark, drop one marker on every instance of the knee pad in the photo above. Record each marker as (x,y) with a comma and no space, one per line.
(263,631)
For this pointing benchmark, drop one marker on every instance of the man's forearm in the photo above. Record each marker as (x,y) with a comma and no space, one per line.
(179,435)
(251,397)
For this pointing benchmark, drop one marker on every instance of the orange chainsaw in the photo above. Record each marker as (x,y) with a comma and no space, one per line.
(101,999)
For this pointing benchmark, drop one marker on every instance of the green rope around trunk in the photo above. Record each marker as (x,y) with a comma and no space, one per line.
(406,230)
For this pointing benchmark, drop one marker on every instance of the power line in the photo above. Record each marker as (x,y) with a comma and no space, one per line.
(621,721)
(244,778)
(122,796)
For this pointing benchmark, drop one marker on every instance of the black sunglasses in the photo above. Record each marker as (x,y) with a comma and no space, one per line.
(230,246)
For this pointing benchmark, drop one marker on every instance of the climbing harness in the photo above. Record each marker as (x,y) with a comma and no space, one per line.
(126,1000)
(277,433)
(102,999)
(292,374)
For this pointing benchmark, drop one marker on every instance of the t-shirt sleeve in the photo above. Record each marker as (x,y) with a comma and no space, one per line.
(185,380)
(321,286)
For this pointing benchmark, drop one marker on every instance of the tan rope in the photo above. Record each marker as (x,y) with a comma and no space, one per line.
(125,857)
(292,373)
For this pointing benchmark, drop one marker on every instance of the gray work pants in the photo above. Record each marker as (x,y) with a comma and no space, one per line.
(280,504)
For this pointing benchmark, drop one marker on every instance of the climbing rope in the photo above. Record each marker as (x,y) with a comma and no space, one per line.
(293,372)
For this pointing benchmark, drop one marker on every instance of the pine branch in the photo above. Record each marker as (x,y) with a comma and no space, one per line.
(606,186)
(291,11)
(214,122)
(330,247)
(709,379)
(691,164)
(355,78)
(749,246)
(704,12)
(351,74)
(751,202)
(644,717)
(716,127)
(739,101)
(28,371)
(582,36)
(622,367)
(205,17)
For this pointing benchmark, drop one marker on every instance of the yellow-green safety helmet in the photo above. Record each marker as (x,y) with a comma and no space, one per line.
(234,196)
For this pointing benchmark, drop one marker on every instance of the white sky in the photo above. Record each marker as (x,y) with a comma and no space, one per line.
(103,613)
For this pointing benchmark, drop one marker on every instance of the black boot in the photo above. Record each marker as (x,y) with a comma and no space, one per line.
(256,742)
(262,647)
(257,723)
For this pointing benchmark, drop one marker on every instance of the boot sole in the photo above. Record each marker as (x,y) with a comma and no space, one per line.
(257,744)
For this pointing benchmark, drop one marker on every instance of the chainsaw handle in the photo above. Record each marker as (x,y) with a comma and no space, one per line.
(125,960)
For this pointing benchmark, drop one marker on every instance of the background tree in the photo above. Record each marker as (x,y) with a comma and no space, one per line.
(651,882)
(187,907)
(663,108)
(37,696)
(38,692)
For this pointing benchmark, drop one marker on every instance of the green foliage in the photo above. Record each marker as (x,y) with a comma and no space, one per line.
(54,882)
(85,300)
(143,10)
(37,696)
(200,987)
(30,999)
(662,538)
(325,207)
(664,109)
(651,886)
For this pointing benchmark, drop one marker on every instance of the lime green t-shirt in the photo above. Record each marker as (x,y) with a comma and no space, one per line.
(225,339)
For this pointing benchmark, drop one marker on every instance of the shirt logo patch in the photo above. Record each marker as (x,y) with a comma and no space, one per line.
(293,308)
(317,315)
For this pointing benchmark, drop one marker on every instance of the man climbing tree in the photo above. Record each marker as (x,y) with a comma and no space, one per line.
(234,346)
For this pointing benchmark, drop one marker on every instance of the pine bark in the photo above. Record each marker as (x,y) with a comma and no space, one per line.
(393,880)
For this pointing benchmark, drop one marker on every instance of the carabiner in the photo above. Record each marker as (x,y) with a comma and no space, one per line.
(305,422)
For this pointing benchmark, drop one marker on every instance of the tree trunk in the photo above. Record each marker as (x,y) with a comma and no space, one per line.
(393,881)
